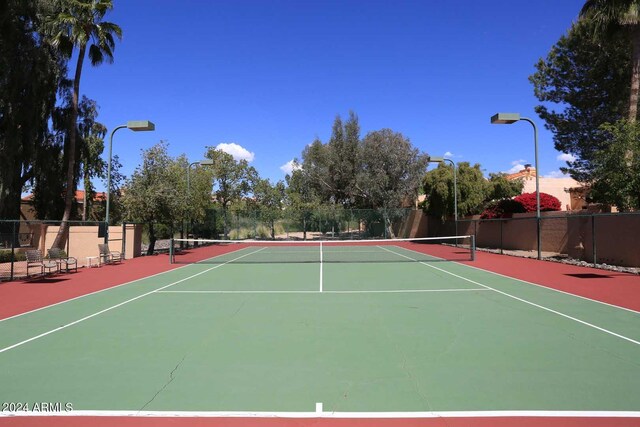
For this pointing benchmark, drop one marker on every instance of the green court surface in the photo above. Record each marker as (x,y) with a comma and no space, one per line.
(245,333)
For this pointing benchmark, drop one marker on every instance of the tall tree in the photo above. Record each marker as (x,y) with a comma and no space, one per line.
(331,168)
(316,160)
(342,153)
(199,192)
(301,198)
(118,180)
(582,83)
(344,157)
(389,170)
(30,76)
(155,191)
(233,180)
(607,14)
(79,24)
(91,135)
(474,190)
(269,199)
(617,168)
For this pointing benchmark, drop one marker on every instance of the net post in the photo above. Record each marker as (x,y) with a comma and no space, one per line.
(473,247)
(171,251)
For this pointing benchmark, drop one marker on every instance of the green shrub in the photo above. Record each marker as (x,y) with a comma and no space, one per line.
(5,256)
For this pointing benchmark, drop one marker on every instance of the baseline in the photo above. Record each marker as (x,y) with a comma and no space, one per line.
(327,414)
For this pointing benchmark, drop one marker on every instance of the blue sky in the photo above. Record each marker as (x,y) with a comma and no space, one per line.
(271,76)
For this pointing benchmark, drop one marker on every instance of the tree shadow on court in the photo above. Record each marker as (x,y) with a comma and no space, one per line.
(41,280)
(591,276)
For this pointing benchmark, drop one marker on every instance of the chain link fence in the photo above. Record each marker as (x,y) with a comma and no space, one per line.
(322,223)
(595,238)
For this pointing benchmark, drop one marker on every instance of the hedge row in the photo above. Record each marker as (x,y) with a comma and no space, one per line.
(5,256)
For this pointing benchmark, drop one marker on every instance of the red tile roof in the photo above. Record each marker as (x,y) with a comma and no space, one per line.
(101,196)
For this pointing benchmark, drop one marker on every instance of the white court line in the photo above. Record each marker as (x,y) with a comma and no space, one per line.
(591,325)
(529,283)
(327,414)
(550,288)
(389,291)
(44,334)
(112,287)
(321,266)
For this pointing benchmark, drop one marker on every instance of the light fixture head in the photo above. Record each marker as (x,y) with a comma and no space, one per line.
(505,118)
(141,125)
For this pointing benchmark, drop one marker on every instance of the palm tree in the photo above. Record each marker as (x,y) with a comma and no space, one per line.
(79,24)
(626,13)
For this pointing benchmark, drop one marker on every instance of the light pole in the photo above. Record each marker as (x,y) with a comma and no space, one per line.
(507,119)
(455,187)
(136,126)
(205,162)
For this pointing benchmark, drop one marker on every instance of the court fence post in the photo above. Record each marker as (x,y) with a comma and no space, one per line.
(593,240)
(123,250)
(13,246)
(473,247)
(501,238)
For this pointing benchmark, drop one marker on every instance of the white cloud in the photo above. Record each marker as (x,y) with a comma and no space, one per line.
(555,174)
(237,151)
(450,155)
(517,166)
(289,167)
(566,157)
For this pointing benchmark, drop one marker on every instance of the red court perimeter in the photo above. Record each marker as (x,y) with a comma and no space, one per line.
(618,289)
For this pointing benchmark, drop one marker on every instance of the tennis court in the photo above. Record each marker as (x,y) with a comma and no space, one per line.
(396,330)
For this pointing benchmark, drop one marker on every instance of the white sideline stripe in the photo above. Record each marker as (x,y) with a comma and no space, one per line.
(107,289)
(92,293)
(591,325)
(44,334)
(388,291)
(366,415)
(535,284)
(321,266)
(553,289)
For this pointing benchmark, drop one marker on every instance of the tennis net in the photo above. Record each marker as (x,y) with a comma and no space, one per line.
(425,249)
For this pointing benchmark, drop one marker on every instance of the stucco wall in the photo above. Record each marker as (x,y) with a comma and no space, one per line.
(83,240)
(556,187)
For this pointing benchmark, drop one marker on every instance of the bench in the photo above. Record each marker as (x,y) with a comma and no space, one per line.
(61,257)
(35,260)
(107,256)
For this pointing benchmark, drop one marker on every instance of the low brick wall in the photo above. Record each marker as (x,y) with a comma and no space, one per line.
(570,233)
